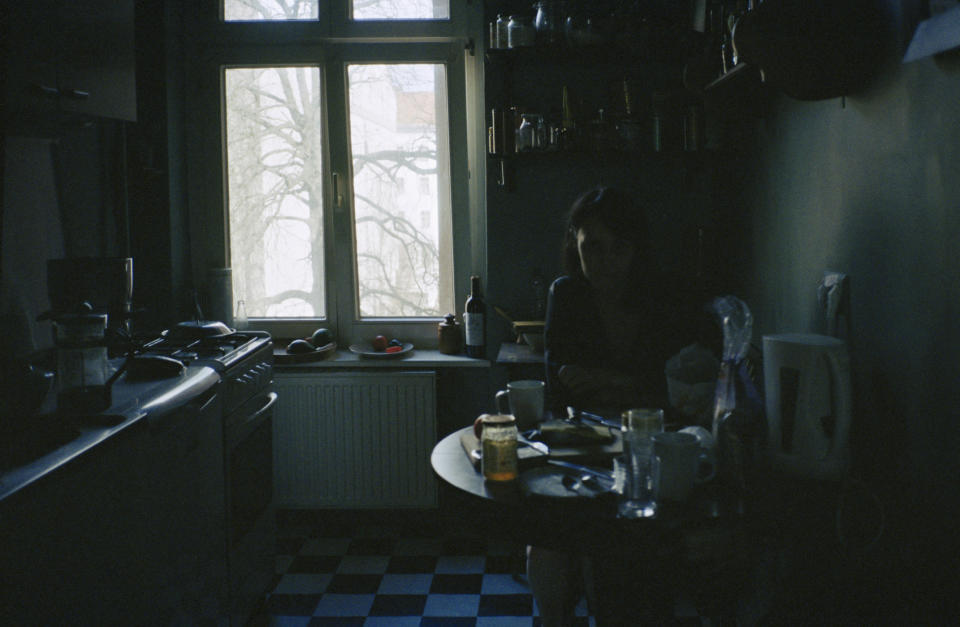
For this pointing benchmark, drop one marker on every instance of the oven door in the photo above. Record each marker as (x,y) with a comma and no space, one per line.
(250,523)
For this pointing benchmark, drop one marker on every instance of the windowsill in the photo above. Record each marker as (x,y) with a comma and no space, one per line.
(417,358)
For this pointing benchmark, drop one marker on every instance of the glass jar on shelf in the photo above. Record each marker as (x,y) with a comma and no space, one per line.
(520,33)
(541,137)
(501,32)
(526,133)
(548,21)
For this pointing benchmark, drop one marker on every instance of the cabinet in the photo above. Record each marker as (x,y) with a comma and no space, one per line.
(131,532)
(66,60)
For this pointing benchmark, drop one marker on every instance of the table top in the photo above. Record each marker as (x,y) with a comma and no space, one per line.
(451,464)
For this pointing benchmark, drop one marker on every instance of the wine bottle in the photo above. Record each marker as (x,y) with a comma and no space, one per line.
(474,314)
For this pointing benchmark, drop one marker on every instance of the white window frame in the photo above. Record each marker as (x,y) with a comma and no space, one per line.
(332,42)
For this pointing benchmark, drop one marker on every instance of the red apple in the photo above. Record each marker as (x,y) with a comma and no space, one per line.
(379,343)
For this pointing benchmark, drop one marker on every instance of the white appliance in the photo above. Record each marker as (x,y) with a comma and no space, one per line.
(807,391)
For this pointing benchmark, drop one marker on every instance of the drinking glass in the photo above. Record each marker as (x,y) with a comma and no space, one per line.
(639,467)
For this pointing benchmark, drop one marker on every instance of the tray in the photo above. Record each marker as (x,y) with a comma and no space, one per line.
(281,356)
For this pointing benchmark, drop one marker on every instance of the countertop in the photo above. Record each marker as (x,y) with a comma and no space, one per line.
(59,438)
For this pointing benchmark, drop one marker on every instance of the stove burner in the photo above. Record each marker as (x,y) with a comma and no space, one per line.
(218,352)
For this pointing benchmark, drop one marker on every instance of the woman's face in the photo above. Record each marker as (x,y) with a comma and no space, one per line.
(606,258)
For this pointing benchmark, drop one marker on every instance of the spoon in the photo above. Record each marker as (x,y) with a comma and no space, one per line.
(574,484)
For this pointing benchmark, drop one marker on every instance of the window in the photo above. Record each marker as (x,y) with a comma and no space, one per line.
(334,145)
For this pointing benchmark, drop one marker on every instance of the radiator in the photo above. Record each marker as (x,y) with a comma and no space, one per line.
(355,440)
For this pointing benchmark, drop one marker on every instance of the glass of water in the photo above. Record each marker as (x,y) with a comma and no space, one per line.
(637,472)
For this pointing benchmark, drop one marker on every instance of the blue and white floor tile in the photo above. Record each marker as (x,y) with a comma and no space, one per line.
(376,575)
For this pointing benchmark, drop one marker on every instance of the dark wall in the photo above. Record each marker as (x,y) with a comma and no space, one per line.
(870,186)
(94,186)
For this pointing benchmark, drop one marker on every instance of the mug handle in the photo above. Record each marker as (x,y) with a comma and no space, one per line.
(708,461)
(503,401)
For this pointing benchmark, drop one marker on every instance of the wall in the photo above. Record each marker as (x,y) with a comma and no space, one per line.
(871,187)
(57,201)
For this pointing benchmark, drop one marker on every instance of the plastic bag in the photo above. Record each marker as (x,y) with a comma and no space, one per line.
(737,323)
(738,408)
(691,382)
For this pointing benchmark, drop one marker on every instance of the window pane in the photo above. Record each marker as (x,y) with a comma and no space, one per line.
(401,174)
(259,10)
(274,190)
(401,9)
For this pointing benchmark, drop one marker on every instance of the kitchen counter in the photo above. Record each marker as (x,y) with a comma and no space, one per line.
(59,439)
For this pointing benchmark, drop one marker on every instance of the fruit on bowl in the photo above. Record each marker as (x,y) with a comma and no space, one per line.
(379,343)
(321,337)
(300,346)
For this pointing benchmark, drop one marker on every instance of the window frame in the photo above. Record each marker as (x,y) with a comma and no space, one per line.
(212,46)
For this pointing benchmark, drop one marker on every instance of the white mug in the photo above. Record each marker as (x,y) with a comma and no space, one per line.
(523,399)
(683,464)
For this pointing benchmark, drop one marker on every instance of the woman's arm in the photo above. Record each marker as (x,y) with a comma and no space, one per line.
(575,368)
(563,334)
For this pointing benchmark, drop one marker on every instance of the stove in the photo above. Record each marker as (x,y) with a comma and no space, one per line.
(244,361)
(220,352)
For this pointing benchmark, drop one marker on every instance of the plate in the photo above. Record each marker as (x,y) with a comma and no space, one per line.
(549,481)
(365,349)
(281,356)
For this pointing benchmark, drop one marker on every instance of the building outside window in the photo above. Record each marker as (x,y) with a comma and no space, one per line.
(333,151)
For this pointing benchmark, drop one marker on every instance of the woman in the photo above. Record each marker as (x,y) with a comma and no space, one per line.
(612,323)
(615,318)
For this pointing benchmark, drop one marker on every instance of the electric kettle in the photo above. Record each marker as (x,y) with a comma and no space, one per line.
(807,391)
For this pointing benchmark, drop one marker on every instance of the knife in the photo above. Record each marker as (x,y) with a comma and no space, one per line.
(578,414)
(540,447)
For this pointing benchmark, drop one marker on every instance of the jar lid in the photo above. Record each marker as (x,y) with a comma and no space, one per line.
(498,420)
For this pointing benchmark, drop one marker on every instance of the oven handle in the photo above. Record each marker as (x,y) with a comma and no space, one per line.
(271,400)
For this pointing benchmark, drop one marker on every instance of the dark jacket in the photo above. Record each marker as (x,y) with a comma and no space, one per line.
(574,334)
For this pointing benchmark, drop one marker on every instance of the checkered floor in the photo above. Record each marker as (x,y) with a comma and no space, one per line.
(393,572)
(354,570)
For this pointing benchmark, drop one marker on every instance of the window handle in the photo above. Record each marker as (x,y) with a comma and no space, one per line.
(337,192)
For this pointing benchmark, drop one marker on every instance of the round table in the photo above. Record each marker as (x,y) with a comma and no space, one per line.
(700,542)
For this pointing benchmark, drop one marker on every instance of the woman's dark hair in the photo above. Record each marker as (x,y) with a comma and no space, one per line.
(616,210)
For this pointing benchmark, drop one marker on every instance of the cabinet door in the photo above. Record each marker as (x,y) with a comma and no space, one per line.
(183,481)
(67,56)
(96,73)
(31,46)
(72,545)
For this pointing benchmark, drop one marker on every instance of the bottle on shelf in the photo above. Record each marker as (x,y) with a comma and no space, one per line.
(501,32)
(474,320)
(629,127)
(526,134)
(568,124)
